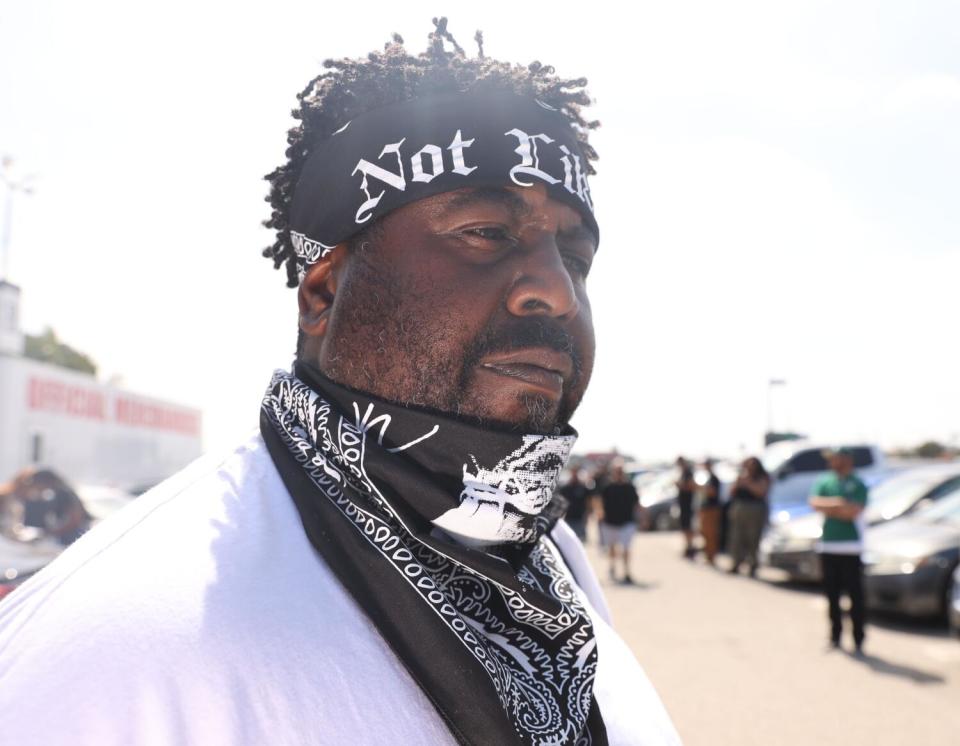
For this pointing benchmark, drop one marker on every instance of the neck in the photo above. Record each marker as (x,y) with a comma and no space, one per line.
(480,485)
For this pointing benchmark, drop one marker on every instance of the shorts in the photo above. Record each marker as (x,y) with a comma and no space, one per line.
(617,535)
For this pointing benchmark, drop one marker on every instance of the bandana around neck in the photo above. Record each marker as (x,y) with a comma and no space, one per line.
(398,503)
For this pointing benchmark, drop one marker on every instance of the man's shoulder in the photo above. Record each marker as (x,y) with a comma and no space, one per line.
(823,481)
(861,489)
(142,566)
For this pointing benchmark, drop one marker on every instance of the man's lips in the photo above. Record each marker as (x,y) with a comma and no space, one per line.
(537,366)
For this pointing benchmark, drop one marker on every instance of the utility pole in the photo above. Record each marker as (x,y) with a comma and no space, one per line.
(13,186)
(770,384)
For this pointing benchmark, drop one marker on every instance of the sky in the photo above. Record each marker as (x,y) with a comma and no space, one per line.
(777,190)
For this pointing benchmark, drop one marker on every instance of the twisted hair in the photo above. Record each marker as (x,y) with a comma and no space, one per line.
(351,87)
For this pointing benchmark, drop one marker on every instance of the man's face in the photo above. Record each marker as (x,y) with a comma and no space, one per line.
(841,463)
(470,302)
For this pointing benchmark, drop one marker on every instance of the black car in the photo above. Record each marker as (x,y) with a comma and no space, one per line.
(955,603)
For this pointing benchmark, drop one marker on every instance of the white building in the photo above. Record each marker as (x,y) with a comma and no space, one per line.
(89,432)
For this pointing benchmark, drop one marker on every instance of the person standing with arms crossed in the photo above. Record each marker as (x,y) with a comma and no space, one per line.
(841,496)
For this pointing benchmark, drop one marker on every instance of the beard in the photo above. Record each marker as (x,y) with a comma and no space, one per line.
(394,339)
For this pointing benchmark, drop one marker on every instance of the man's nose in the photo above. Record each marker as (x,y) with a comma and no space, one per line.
(543,286)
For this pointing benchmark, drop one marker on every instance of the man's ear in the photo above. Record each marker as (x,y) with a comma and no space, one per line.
(318,289)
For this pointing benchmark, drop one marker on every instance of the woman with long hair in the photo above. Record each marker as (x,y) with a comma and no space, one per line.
(748,514)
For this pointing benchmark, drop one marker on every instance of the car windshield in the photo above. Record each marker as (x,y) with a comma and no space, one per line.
(945,510)
(893,496)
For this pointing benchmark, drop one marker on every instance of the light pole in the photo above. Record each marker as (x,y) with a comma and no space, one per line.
(770,385)
(13,185)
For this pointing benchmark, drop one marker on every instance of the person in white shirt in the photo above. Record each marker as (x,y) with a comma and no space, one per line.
(384,562)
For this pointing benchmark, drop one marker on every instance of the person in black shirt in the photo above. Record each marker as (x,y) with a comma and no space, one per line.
(748,514)
(710,513)
(686,486)
(621,505)
(577,495)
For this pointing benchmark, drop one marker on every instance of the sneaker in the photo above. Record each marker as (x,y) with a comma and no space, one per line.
(627,580)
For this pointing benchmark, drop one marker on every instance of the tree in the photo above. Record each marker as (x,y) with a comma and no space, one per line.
(48,349)
(930,449)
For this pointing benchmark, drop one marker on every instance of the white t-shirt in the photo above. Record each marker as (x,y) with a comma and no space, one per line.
(201,614)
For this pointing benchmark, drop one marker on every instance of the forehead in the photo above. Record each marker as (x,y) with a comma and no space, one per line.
(524,205)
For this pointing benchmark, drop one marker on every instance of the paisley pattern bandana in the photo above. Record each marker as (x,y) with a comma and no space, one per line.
(439,530)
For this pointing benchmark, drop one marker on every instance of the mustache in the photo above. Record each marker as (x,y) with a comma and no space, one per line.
(518,334)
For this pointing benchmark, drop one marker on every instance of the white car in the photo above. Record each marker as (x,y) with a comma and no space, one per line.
(101,501)
(795,465)
(27,550)
(27,554)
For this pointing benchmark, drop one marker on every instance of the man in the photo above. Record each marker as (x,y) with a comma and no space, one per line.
(382,562)
(841,496)
(577,495)
(621,505)
(710,513)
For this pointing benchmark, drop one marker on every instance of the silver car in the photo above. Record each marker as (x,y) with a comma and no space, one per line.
(909,563)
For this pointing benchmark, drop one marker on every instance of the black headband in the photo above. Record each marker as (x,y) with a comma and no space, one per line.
(404,152)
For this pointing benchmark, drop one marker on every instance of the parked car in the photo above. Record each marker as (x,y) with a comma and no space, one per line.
(23,555)
(911,490)
(794,466)
(7,586)
(872,478)
(790,545)
(909,562)
(955,603)
(101,501)
(27,550)
(658,496)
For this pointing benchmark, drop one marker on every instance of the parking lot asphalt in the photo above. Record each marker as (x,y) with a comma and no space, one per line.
(741,661)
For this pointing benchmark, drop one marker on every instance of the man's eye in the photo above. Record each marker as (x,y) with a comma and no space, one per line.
(577,264)
(491,233)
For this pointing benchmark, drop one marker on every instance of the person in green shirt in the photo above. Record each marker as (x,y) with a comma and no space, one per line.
(841,496)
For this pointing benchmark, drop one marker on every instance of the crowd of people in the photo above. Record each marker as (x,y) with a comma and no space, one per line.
(734,525)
